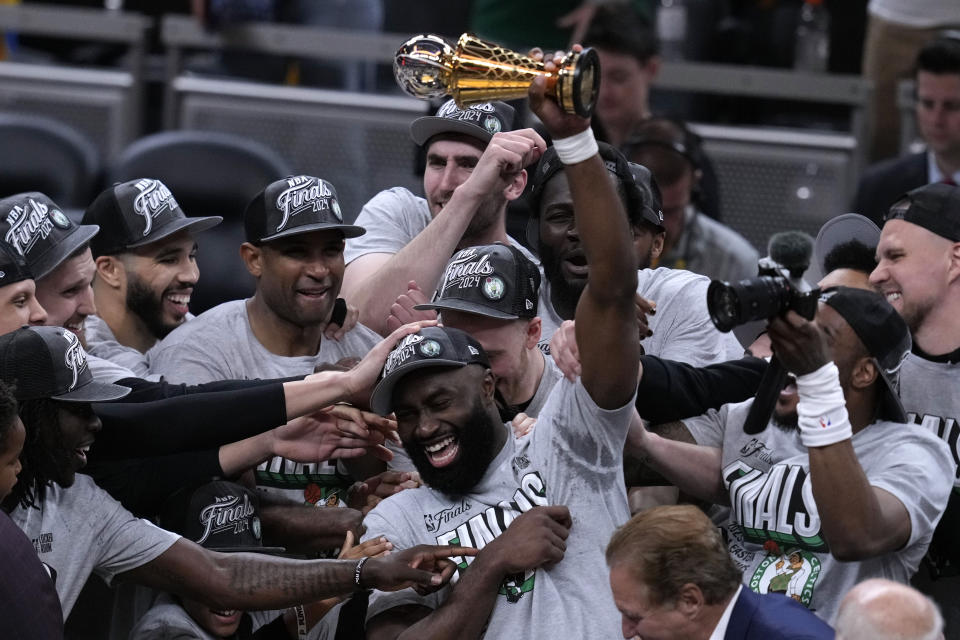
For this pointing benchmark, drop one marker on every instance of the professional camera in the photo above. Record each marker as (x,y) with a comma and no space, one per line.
(776,290)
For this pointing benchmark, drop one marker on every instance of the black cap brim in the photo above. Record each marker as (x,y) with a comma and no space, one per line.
(94,392)
(348,231)
(57,254)
(193,225)
(466,307)
(381,400)
(422,129)
(891,408)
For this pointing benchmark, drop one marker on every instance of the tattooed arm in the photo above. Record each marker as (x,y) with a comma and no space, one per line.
(251,581)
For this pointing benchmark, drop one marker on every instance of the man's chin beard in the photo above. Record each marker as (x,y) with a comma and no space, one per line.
(142,301)
(476,442)
(788,422)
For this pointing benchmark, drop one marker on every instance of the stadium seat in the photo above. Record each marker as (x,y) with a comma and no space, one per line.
(209,174)
(40,154)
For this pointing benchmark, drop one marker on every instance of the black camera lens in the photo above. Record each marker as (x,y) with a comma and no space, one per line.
(731,305)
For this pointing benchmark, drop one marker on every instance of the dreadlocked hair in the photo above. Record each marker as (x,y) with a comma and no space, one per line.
(31,487)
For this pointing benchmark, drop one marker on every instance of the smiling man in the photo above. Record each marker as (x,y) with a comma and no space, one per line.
(919,273)
(475,166)
(294,250)
(146,268)
(540,505)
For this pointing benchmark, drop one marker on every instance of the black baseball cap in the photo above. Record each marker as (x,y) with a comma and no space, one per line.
(493,280)
(884,334)
(13,267)
(49,362)
(479,121)
(295,205)
(642,193)
(137,213)
(429,347)
(38,229)
(836,231)
(220,516)
(935,207)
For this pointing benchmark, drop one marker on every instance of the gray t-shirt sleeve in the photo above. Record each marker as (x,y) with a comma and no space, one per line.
(392,219)
(913,471)
(707,430)
(123,541)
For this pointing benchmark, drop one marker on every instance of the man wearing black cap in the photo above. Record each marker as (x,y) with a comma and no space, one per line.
(77,529)
(681,327)
(145,255)
(919,273)
(294,250)
(837,490)
(517,498)
(57,253)
(475,166)
(491,293)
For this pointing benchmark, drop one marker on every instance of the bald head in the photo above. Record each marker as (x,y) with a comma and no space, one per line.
(885,610)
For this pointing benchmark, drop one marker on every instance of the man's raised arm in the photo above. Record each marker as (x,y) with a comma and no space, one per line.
(606,322)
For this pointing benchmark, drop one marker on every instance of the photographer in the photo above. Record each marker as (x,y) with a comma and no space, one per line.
(821,499)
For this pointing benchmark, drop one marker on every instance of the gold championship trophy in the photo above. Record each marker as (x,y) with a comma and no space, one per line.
(426,66)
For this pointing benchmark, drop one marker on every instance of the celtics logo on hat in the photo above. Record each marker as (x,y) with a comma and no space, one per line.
(493,288)
(492,124)
(336,210)
(430,348)
(59,219)
(255,527)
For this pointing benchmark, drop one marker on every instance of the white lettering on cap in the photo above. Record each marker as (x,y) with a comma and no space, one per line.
(302,193)
(28,224)
(75,358)
(228,512)
(154,198)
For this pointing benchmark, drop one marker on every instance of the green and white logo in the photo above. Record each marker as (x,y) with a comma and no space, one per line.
(59,219)
(430,348)
(491,124)
(793,573)
(493,288)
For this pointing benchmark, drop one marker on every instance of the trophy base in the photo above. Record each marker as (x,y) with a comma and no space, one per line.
(578,82)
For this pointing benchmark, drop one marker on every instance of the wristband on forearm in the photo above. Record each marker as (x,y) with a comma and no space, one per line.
(356,572)
(576,148)
(822,409)
(301,617)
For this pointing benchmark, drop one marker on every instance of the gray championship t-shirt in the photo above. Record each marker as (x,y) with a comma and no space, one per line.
(103,344)
(930,392)
(220,345)
(681,327)
(774,533)
(573,457)
(82,530)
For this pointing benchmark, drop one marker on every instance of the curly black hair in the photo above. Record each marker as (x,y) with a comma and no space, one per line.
(852,254)
(32,484)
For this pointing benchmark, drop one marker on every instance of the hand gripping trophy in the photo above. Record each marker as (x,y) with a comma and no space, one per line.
(426,66)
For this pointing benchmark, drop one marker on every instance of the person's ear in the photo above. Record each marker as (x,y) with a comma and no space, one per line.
(864,373)
(534,328)
(489,385)
(657,247)
(111,271)
(252,257)
(953,271)
(690,601)
(515,189)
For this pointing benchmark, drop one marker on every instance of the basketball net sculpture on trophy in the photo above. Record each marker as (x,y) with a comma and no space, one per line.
(474,71)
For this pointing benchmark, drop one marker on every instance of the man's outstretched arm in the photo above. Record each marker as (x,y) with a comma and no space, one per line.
(606,320)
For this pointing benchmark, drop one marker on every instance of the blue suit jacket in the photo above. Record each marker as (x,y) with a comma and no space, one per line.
(773,617)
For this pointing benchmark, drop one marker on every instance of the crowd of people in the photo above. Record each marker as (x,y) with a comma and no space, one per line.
(419,426)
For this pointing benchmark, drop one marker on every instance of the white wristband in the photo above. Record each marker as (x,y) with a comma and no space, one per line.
(822,409)
(576,148)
